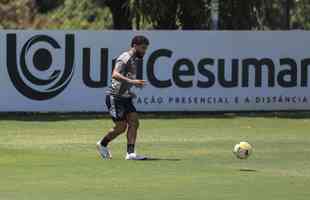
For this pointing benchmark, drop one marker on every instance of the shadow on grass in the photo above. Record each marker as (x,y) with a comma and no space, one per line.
(160,115)
(161,159)
(248,170)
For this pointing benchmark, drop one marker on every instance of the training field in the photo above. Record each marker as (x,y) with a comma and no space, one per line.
(54,157)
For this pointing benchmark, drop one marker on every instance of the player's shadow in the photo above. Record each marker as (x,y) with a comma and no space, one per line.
(161,159)
(248,170)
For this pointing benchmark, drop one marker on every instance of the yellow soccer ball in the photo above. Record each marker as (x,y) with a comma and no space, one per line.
(242,150)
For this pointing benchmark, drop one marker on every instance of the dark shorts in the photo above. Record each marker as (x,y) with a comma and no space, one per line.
(119,107)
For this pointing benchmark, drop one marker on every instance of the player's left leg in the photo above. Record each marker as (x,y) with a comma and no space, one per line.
(132,131)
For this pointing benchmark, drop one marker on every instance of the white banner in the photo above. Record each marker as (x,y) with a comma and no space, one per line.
(186,70)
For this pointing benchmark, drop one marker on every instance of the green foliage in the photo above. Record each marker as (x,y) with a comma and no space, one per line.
(63,14)
(153,14)
(83,14)
(194,14)
(47,5)
(19,14)
(301,15)
(162,14)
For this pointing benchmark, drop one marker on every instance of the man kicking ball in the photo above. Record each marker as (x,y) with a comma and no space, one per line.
(119,99)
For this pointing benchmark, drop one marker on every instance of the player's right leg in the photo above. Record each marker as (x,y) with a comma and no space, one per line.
(116,110)
(102,145)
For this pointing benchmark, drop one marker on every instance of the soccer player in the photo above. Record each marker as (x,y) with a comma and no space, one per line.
(119,99)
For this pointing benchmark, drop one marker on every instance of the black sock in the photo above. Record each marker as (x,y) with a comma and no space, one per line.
(105,141)
(130,148)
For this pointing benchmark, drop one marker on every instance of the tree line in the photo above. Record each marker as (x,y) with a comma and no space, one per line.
(156,14)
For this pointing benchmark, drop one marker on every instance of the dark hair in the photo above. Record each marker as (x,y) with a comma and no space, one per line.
(138,40)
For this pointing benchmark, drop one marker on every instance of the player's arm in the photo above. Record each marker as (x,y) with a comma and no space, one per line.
(118,76)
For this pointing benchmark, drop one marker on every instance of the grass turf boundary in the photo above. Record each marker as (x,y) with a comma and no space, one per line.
(58,116)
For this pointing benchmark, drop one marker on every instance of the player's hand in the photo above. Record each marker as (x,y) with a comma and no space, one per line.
(138,83)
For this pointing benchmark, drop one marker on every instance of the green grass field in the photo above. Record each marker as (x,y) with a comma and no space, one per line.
(54,157)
